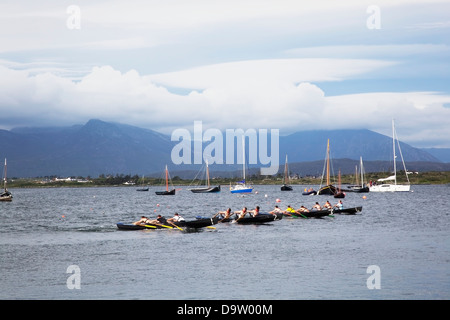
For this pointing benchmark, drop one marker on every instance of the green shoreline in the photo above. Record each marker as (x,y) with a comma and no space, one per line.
(422,178)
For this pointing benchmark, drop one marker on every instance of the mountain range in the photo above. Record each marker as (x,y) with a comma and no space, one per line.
(100,147)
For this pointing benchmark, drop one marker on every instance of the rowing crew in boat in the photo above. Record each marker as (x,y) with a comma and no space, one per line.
(289,210)
(159,220)
(144,220)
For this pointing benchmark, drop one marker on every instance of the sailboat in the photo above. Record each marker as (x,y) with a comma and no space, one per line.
(142,188)
(329,189)
(359,187)
(286,187)
(167,192)
(208,188)
(389,187)
(5,195)
(241,187)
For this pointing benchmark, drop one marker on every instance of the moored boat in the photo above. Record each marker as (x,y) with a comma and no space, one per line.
(5,195)
(328,189)
(285,186)
(241,186)
(167,191)
(393,187)
(208,188)
(309,192)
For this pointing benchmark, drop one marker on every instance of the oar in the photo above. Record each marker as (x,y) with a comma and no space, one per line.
(149,226)
(175,226)
(302,215)
(162,225)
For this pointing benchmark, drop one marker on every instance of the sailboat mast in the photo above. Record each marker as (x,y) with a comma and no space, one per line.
(286,171)
(328,162)
(5,176)
(393,146)
(243,156)
(207,172)
(362,174)
(167,179)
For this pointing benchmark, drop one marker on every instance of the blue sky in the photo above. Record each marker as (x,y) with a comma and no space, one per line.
(285,64)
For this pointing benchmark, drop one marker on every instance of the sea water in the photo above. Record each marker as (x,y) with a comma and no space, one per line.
(398,247)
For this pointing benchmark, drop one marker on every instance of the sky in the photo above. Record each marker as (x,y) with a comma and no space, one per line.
(291,65)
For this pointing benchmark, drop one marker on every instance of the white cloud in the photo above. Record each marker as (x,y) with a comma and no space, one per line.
(238,98)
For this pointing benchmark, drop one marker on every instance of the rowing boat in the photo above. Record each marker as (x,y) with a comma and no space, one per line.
(260,218)
(326,212)
(198,223)
(130,226)
(352,210)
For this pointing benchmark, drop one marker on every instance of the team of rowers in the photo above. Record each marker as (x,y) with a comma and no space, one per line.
(224,215)
(316,207)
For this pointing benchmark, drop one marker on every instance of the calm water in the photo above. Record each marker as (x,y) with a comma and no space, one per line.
(44,231)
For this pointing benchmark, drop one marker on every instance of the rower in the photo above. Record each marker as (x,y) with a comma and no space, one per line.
(275,211)
(241,213)
(327,205)
(143,220)
(316,207)
(254,212)
(339,205)
(302,209)
(289,210)
(159,220)
(176,218)
(223,214)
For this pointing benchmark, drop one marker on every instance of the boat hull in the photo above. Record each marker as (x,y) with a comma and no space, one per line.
(390,188)
(260,218)
(286,188)
(6,196)
(357,189)
(198,223)
(165,193)
(327,190)
(326,212)
(130,226)
(206,190)
(242,190)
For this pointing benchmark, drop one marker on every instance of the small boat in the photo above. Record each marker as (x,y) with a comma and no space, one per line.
(241,186)
(142,188)
(285,186)
(208,188)
(359,188)
(309,192)
(167,191)
(260,218)
(5,195)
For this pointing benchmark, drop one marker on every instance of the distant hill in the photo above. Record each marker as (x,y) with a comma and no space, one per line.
(443,154)
(92,149)
(99,147)
(351,144)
